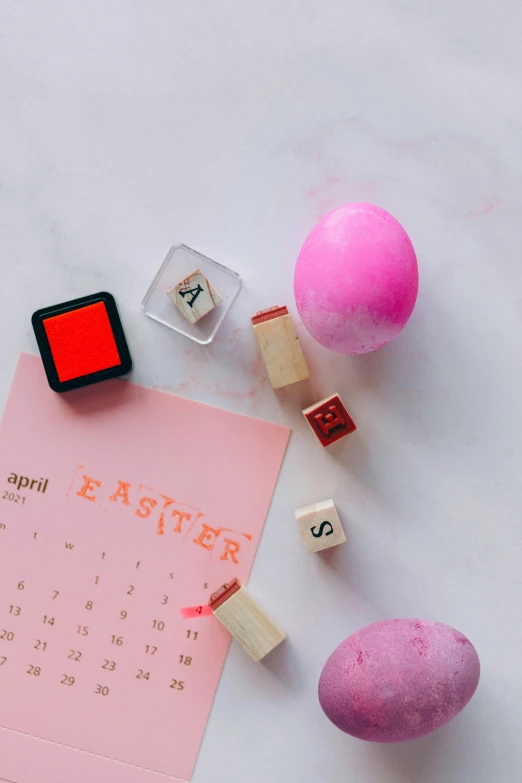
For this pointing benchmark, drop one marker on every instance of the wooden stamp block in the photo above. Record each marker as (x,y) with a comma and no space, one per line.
(320,526)
(235,608)
(280,346)
(195,296)
(329,420)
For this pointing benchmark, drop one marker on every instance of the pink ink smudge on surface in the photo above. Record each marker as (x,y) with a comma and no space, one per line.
(486,208)
(253,376)
(328,180)
(250,394)
(192,612)
(194,370)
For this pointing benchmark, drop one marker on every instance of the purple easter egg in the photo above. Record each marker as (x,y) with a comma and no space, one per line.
(398,679)
(356,279)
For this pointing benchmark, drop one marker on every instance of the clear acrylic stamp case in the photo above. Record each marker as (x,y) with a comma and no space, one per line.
(179,263)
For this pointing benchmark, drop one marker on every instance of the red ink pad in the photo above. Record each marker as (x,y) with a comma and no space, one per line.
(81,342)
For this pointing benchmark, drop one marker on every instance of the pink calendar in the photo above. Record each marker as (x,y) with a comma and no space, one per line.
(119,507)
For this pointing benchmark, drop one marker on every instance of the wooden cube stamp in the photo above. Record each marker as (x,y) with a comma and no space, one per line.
(235,608)
(280,347)
(329,420)
(320,526)
(194,296)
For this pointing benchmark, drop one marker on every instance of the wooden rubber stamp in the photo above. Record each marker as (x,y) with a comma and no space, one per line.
(235,608)
(194,296)
(280,347)
(320,526)
(329,420)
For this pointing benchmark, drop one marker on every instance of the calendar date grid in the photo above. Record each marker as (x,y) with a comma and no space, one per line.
(29,615)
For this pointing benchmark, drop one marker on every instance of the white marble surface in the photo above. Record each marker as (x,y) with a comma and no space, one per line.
(129,125)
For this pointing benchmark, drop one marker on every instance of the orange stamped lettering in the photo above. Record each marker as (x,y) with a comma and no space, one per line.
(121,492)
(230,551)
(208,534)
(144,511)
(181,516)
(159,510)
(89,484)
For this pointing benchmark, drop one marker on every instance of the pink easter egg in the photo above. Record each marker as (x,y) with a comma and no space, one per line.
(398,679)
(356,279)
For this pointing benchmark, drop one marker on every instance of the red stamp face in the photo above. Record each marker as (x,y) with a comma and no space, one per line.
(329,419)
